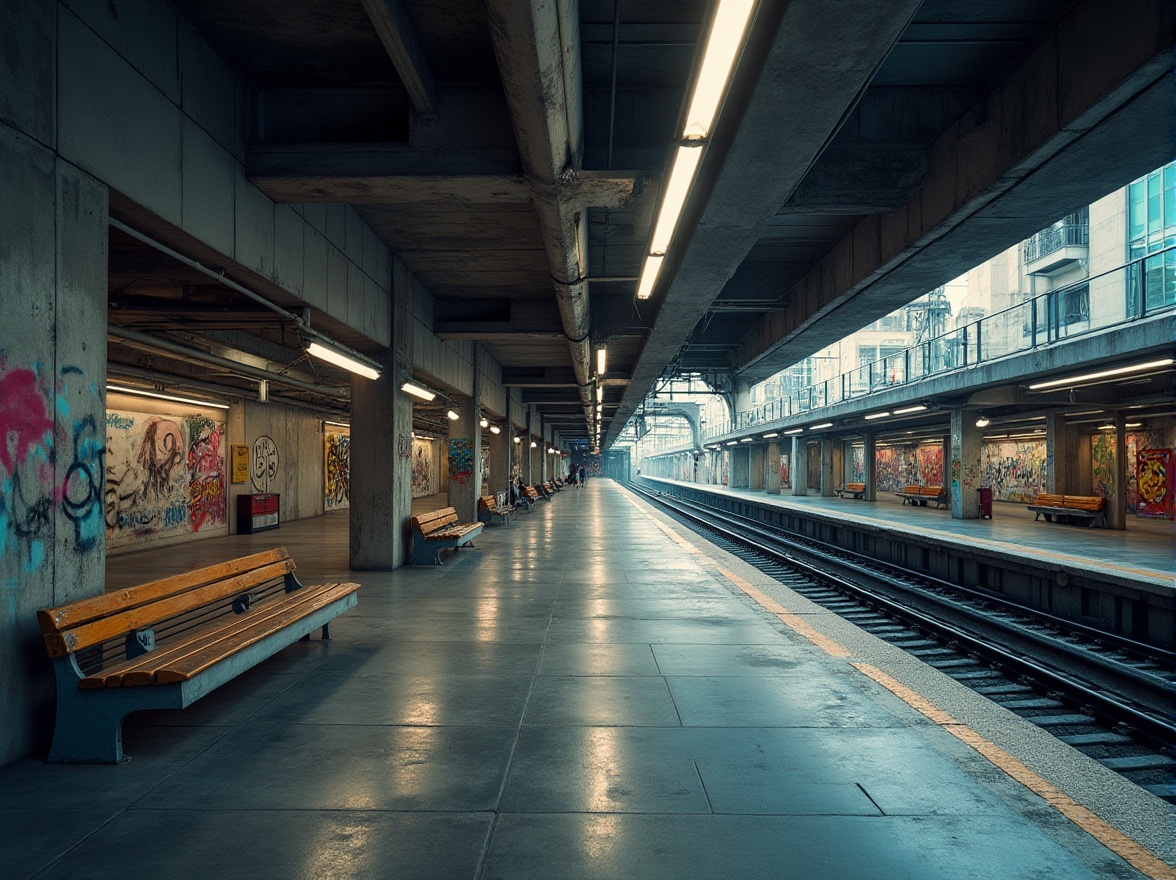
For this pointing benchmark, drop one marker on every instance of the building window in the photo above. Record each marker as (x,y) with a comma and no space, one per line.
(1151,227)
(1076,305)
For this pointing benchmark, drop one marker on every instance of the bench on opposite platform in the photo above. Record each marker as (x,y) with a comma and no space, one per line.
(918,496)
(854,490)
(439,530)
(1083,508)
(166,643)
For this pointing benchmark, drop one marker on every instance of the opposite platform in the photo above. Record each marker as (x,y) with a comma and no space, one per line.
(587,695)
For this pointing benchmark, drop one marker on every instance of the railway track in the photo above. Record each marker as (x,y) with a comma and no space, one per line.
(1109,697)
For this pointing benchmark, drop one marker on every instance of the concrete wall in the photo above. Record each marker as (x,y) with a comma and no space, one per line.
(52,386)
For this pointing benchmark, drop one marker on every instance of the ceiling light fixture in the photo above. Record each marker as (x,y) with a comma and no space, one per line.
(534,445)
(418,391)
(122,389)
(746,439)
(453,417)
(483,423)
(770,436)
(909,409)
(518,439)
(1102,374)
(723,44)
(822,426)
(339,359)
(336,424)
(601,360)
(982,422)
(794,431)
(600,394)
(878,415)
(494,429)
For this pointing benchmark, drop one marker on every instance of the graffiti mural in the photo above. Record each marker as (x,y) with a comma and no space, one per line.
(889,469)
(1156,479)
(857,465)
(39,440)
(423,469)
(785,471)
(930,465)
(263,468)
(165,475)
(337,471)
(1014,470)
(461,460)
(1102,457)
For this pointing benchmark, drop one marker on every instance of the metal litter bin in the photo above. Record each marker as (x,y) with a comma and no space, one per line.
(985,502)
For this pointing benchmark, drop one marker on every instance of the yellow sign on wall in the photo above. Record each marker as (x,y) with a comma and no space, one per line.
(240,463)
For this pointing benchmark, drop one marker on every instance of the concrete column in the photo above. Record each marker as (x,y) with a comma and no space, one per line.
(772,470)
(742,401)
(499,452)
(53,259)
(534,465)
(870,465)
(740,466)
(464,487)
(964,470)
(799,466)
(1058,459)
(827,483)
(1117,503)
(755,476)
(838,462)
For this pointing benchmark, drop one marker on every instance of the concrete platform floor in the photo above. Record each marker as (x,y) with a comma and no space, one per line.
(586,695)
(1147,548)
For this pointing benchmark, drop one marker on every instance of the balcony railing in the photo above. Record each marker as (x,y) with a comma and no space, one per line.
(1073,231)
(1106,300)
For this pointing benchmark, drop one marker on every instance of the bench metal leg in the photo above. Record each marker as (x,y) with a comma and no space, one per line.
(92,736)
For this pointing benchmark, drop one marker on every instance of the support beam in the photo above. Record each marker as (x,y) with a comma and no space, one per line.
(394,27)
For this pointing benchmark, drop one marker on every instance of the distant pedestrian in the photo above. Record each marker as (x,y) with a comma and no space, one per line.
(583,475)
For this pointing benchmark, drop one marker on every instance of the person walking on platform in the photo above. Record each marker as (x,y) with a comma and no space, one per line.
(583,475)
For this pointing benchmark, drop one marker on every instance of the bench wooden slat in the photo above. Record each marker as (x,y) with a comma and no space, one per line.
(290,612)
(53,620)
(143,616)
(140,671)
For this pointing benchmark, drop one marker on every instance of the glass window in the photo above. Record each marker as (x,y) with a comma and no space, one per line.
(1170,204)
(1137,219)
(1155,232)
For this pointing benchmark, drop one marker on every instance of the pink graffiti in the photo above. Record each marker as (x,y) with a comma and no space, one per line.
(23,420)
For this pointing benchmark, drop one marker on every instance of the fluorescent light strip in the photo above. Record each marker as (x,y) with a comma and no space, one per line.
(769,436)
(453,417)
(722,48)
(122,389)
(336,424)
(795,431)
(909,409)
(341,360)
(418,391)
(649,273)
(674,198)
(821,426)
(873,416)
(1103,374)
(599,391)
(747,440)
(601,360)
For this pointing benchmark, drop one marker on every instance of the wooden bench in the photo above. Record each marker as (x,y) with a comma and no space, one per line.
(920,495)
(166,643)
(489,510)
(855,490)
(437,531)
(1085,508)
(533,494)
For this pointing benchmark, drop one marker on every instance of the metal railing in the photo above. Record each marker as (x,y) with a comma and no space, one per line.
(1119,296)
(1073,231)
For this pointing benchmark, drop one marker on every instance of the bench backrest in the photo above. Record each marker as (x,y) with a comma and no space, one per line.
(911,489)
(854,487)
(488,502)
(427,523)
(930,490)
(1083,502)
(1045,499)
(88,622)
(530,491)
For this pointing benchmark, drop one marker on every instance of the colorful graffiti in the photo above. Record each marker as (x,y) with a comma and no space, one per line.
(35,423)
(785,471)
(1014,470)
(1102,455)
(337,471)
(423,480)
(857,465)
(461,460)
(263,471)
(930,465)
(1156,479)
(164,475)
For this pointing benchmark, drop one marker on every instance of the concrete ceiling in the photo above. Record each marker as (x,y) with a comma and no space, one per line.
(510,153)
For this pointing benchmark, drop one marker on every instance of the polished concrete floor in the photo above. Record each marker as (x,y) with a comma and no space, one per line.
(576,698)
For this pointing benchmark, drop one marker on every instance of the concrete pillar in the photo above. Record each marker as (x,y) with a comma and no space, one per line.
(534,465)
(464,452)
(799,467)
(740,466)
(742,401)
(1117,503)
(964,470)
(772,474)
(755,476)
(1058,460)
(870,465)
(499,452)
(838,462)
(827,478)
(53,264)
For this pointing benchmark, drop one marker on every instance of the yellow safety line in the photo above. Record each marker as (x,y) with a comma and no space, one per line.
(1136,855)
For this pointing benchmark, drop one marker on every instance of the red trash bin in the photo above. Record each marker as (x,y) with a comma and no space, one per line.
(985,502)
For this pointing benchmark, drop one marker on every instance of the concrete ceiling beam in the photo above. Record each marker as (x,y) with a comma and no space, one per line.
(1033,150)
(809,78)
(536,43)
(498,331)
(394,27)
